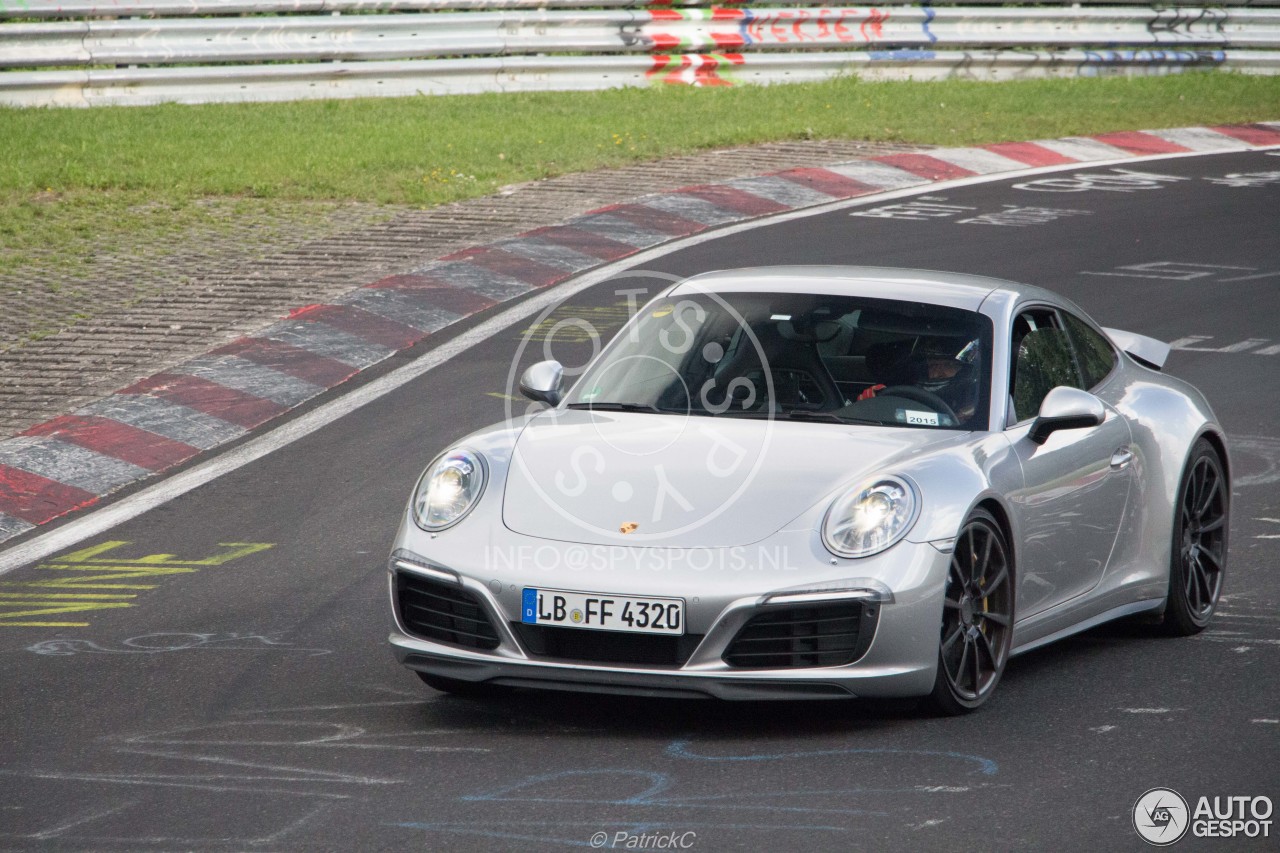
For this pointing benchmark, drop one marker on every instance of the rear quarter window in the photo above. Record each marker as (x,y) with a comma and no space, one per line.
(1097,358)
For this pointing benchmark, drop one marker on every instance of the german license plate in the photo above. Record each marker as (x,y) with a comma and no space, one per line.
(602,612)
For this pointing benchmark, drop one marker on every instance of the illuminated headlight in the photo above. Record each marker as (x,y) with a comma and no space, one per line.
(870,518)
(449,489)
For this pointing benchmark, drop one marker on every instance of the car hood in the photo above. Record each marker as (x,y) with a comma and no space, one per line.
(687,482)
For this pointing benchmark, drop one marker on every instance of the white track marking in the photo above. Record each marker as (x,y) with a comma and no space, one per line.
(1197,138)
(104,519)
(1088,151)
(977,160)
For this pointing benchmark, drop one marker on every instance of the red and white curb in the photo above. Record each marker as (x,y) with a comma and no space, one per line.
(74,460)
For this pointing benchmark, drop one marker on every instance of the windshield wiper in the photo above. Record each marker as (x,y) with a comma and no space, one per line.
(787,415)
(806,415)
(619,407)
(799,415)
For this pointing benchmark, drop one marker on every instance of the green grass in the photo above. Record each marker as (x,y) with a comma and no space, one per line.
(68,230)
(71,175)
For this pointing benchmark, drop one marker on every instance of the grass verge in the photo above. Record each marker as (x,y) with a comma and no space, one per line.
(76,178)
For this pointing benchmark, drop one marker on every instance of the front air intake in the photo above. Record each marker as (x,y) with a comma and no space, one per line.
(443,612)
(810,636)
(616,647)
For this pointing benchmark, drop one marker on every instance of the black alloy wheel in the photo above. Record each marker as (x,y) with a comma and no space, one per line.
(1199,558)
(977,617)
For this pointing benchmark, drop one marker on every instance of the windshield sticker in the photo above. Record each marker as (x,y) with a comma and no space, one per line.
(919,418)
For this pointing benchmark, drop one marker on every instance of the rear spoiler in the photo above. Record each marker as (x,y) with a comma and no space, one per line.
(1147,351)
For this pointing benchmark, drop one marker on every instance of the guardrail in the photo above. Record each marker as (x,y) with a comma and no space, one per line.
(146,51)
(175,8)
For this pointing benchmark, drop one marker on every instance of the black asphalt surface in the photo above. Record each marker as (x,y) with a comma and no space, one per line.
(253,703)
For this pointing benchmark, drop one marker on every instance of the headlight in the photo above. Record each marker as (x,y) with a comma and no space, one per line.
(449,489)
(870,518)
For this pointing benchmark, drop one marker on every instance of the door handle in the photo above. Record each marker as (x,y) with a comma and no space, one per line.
(1121,459)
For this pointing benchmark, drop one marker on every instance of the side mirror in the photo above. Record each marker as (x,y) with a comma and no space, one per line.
(1066,408)
(541,382)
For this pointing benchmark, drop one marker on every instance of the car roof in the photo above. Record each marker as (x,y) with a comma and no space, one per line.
(956,290)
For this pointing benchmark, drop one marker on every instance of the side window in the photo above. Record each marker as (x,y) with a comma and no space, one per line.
(1097,358)
(1041,361)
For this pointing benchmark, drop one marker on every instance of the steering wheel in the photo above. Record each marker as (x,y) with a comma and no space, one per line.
(922,396)
(832,397)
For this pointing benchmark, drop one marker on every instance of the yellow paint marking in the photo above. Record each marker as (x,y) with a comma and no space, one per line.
(91,570)
(43,595)
(63,583)
(104,573)
(238,550)
(585,323)
(44,607)
(503,396)
(16,606)
(92,551)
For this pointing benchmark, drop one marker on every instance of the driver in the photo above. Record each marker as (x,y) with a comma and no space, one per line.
(943,366)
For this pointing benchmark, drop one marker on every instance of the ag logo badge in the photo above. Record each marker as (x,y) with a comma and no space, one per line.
(1161,817)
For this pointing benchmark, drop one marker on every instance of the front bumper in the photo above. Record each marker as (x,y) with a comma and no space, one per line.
(897,655)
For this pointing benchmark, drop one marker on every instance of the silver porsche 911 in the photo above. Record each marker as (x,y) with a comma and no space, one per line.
(817,482)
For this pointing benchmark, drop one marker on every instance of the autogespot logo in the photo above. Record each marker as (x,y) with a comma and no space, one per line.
(1160,816)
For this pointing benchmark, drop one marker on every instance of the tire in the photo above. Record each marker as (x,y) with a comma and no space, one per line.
(457,687)
(1198,561)
(977,618)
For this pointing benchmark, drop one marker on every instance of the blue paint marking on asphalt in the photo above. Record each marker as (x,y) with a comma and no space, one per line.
(629,829)
(680,749)
(636,827)
(929,15)
(659,783)
(489,833)
(680,803)
(804,792)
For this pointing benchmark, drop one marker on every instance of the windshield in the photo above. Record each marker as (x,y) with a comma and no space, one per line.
(798,356)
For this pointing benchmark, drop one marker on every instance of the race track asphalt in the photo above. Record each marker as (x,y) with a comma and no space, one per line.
(227,696)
